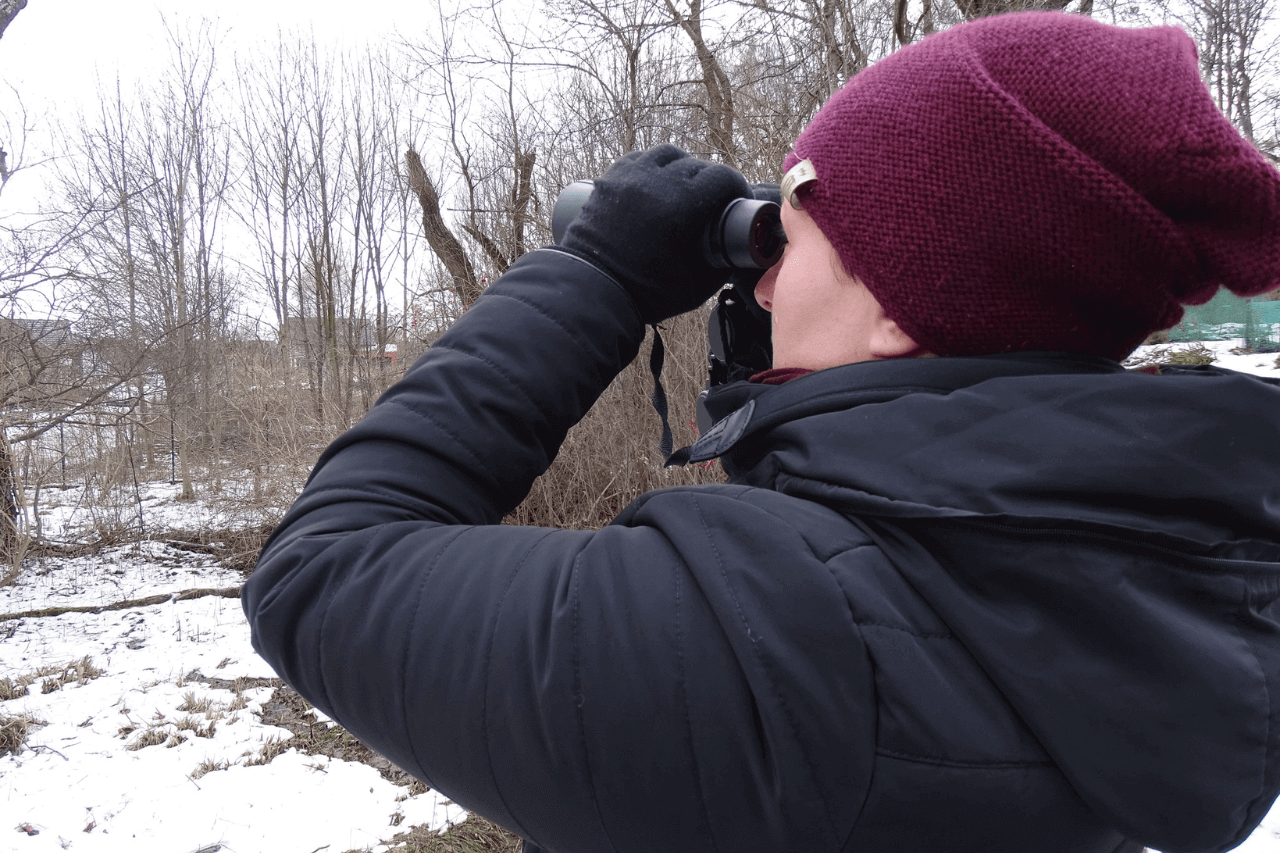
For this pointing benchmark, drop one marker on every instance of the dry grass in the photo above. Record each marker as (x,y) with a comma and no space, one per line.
(268,751)
(1187,354)
(1192,354)
(152,736)
(55,678)
(14,731)
(473,835)
(193,725)
(10,689)
(611,457)
(192,704)
(209,766)
(79,672)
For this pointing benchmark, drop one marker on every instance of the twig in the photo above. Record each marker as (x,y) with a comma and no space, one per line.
(51,749)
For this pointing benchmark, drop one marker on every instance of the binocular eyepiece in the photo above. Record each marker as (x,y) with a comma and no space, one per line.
(747,235)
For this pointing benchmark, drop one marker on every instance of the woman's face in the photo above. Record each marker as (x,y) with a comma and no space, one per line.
(822,316)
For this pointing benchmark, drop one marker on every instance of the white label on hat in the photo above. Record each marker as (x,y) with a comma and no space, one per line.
(800,175)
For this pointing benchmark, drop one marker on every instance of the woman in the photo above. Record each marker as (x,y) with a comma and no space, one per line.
(1012,597)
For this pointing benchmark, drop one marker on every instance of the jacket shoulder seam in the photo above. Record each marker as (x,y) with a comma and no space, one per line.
(404,657)
(688,720)
(924,635)
(578,700)
(940,761)
(324,620)
(488,661)
(754,639)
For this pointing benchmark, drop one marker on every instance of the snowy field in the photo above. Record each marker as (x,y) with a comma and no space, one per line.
(1259,364)
(153,738)
(165,750)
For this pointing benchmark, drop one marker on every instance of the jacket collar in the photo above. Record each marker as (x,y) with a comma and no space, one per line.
(741,409)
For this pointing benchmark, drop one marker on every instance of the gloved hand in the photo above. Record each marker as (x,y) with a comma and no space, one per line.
(767,192)
(644,225)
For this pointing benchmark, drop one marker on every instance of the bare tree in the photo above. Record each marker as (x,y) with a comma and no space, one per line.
(715,82)
(1231,60)
(269,136)
(611,49)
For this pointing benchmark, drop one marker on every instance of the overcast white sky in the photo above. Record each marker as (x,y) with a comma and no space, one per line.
(55,50)
(51,50)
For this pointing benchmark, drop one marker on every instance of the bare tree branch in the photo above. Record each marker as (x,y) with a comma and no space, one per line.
(439,237)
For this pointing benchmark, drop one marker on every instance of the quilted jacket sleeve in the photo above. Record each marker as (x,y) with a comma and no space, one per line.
(378,597)
(593,691)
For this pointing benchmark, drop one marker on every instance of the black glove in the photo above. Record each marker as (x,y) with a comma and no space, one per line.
(745,281)
(644,225)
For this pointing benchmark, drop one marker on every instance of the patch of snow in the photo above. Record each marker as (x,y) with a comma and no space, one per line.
(114,574)
(1226,354)
(79,785)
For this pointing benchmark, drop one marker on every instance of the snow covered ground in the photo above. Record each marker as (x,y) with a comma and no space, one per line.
(169,672)
(1259,364)
(164,750)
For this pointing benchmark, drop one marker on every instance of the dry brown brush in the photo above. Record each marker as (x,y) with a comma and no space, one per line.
(612,457)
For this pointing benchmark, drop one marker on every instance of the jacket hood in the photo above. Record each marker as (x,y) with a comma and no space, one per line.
(1105,543)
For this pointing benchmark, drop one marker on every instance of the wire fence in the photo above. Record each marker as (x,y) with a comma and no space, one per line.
(1228,316)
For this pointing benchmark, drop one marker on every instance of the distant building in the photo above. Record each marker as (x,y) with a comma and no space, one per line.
(38,354)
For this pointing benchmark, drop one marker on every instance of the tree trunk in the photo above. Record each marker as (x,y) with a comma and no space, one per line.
(8,498)
(9,10)
(439,237)
(720,112)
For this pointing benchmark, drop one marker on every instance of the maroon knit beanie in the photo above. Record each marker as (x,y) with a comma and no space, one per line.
(1040,181)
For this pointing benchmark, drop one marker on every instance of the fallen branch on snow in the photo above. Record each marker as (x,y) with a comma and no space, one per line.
(229,592)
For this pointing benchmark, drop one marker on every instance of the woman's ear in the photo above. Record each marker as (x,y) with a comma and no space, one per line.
(889,341)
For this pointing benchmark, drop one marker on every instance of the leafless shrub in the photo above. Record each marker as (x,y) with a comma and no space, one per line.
(611,457)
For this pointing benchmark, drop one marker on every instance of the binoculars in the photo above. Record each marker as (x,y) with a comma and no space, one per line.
(746,236)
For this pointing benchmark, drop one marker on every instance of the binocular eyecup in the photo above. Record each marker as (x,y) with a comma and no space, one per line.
(746,235)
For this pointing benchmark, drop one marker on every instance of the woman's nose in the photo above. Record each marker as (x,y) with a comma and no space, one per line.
(764,288)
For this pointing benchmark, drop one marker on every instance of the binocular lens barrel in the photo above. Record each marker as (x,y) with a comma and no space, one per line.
(747,234)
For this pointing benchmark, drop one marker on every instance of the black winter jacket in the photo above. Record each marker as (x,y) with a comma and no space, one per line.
(1010,603)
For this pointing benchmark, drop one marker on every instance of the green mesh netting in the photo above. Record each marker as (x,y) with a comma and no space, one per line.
(1228,316)
(1262,328)
(1221,318)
